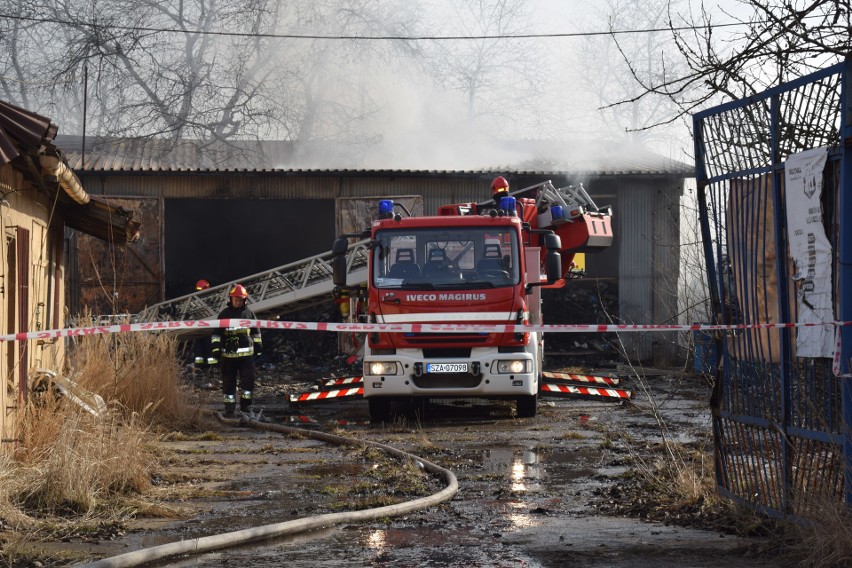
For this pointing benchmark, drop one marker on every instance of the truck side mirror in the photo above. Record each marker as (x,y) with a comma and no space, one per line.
(552,242)
(553,265)
(338,261)
(340,246)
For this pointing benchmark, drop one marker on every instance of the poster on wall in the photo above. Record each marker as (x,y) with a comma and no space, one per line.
(811,252)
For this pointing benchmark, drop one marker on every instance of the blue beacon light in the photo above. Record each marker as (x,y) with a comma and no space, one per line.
(556,213)
(385,208)
(507,204)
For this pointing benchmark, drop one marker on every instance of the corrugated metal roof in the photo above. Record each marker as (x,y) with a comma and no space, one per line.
(22,131)
(535,157)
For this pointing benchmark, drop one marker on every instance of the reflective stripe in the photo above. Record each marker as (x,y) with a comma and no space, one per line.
(446,317)
(237,331)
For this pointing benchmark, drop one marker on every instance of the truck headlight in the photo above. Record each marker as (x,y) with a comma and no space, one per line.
(376,368)
(514,366)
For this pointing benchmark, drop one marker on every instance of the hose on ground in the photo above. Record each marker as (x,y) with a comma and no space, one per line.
(277,530)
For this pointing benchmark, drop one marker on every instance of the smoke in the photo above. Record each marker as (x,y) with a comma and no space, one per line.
(493,102)
(422,126)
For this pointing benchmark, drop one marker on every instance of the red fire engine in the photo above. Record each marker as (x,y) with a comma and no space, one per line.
(473,263)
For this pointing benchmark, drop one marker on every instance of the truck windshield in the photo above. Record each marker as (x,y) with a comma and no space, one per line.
(458,258)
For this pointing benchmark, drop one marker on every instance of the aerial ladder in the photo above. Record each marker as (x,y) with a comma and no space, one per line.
(273,293)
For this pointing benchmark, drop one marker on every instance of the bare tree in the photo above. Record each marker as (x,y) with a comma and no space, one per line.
(13,76)
(327,82)
(615,66)
(143,81)
(778,41)
(226,72)
(498,75)
(211,70)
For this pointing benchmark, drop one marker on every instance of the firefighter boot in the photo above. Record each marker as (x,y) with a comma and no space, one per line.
(245,402)
(230,405)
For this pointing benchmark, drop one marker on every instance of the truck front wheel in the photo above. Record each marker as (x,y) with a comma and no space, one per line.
(527,406)
(380,408)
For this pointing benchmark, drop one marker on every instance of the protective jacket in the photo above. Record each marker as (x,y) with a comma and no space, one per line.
(236,342)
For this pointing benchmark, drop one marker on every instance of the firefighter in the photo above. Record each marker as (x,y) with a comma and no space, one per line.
(236,347)
(499,190)
(204,359)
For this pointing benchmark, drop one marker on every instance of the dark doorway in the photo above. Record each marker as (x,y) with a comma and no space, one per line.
(224,240)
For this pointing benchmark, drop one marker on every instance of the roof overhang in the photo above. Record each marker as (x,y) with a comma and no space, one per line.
(26,143)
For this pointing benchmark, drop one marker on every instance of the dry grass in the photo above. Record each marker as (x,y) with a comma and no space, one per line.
(826,542)
(137,371)
(74,472)
(72,463)
(675,482)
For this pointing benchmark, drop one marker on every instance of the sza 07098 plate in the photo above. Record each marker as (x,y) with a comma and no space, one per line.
(446,368)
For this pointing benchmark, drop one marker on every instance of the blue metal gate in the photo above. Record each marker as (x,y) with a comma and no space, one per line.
(781,419)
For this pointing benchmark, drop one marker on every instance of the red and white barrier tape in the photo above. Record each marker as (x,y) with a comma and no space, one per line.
(336,382)
(393,328)
(550,375)
(585,391)
(326,395)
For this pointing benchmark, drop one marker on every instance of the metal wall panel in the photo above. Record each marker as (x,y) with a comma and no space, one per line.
(214,186)
(665,221)
(435,190)
(635,266)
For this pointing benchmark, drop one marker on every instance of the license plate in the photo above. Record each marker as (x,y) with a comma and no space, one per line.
(446,367)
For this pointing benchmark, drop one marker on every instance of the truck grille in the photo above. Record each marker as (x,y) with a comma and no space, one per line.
(444,338)
(447,380)
(447,353)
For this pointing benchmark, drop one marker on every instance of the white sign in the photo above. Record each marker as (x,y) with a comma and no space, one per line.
(811,252)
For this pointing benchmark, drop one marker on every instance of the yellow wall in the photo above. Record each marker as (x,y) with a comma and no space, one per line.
(27,212)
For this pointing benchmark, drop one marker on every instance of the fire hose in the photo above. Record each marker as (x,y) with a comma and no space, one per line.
(277,530)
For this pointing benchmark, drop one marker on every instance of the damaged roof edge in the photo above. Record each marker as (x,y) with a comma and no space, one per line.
(103,220)
(87,213)
(27,137)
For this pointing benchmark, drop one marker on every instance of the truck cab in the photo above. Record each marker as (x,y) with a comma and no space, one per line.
(469,268)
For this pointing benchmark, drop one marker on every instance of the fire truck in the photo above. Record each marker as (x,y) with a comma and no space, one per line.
(472,263)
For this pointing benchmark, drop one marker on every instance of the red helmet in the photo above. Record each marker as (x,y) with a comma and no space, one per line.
(499,184)
(238,291)
(202,284)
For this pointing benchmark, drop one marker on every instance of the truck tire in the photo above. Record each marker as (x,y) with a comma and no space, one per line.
(380,408)
(527,406)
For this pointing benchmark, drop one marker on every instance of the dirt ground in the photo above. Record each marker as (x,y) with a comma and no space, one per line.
(561,488)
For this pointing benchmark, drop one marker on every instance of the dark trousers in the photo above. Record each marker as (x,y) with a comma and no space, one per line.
(244,366)
(201,349)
